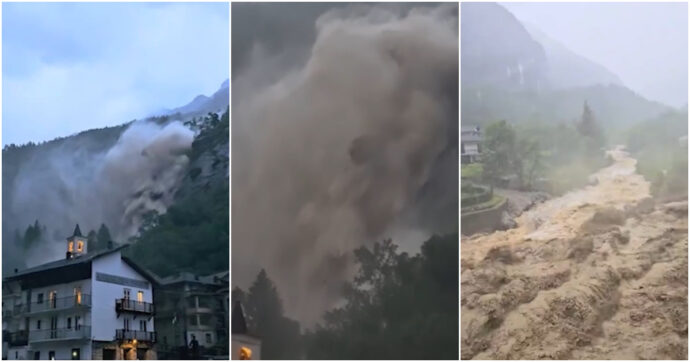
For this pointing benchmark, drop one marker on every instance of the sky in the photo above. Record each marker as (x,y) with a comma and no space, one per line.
(645,44)
(68,67)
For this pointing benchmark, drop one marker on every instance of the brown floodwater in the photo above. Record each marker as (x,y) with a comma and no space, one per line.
(598,273)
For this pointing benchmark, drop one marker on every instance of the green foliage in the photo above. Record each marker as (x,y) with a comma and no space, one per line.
(661,154)
(499,155)
(398,307)
(192,236)
(589,127)
(280,336)
(472,171)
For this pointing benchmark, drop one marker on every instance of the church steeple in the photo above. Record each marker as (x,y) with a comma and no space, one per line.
(76,244)
(77,231)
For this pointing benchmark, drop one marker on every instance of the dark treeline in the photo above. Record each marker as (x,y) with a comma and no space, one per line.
(397,307)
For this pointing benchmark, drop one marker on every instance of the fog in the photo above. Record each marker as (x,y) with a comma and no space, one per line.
(343,136)
(645,44)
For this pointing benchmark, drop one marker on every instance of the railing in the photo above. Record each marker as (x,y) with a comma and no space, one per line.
(128,305)
(13,310)
(78,332)
(19,338)
(83,300)
(124,334)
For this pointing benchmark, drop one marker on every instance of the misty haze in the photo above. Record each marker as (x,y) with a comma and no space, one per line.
(574,181)
(345,174)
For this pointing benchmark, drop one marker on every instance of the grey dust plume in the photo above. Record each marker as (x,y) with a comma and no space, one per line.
(357,144)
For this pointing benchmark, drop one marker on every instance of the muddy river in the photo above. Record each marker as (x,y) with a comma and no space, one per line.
(599,273)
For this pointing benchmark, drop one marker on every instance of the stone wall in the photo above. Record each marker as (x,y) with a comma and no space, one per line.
(486,220)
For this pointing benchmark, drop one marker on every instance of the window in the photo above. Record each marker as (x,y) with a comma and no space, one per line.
(209,338)
(51,355)
(245,353)
(80,246)
(16,354)
(126,324)
(76,353)
(53,299)
(76,323)
(140,296)
(127,293)
(142,325)
(37,355)
(70,246)
(69,323)
(39,298)
(77,295)
(38,324)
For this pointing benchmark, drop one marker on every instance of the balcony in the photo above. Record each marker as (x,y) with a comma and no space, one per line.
(19,338)
(142,336)
(57,304)
(133,306)
(13,311)
(63,334)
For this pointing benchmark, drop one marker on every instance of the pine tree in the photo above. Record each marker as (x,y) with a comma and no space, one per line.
(103,237)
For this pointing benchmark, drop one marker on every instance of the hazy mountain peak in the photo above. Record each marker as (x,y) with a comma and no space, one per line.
(567,68)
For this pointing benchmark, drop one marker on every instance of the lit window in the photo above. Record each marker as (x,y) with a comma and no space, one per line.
(140,296)
(70,246)
(80,246)
(77,295)
(245,353)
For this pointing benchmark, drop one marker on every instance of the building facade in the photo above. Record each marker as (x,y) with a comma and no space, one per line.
(193,316)
(86,306)
(470,144)
(245,346)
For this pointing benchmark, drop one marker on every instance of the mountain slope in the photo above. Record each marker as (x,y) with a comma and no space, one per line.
(498,51)
(115,175)
(567,69)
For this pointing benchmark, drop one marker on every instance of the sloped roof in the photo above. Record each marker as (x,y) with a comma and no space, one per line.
(77,231)
(239,324)
(80,260)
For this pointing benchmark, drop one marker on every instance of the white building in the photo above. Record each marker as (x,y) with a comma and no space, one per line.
(95,305)
(245,346)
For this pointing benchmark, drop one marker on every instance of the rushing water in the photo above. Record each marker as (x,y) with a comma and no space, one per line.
(600,272)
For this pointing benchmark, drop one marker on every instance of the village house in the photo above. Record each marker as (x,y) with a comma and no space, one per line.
(470,144)
(193,308)
(245,346)
(88,305)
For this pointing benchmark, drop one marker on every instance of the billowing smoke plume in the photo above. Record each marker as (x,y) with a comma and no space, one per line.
(358,144)
(69,182)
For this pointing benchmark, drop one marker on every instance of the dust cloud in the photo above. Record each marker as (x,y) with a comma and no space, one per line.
(358,144)
(69,183)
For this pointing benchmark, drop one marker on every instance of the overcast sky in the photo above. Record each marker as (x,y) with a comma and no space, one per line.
(645,44)
(68,67)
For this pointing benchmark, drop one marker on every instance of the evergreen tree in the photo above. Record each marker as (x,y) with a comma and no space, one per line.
(92,241)
(103,238)
(280,336)
(589,127)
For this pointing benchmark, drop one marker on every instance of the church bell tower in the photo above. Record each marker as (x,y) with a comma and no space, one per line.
(76,244)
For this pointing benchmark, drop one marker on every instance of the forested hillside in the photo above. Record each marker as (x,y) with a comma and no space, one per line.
(160,183)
